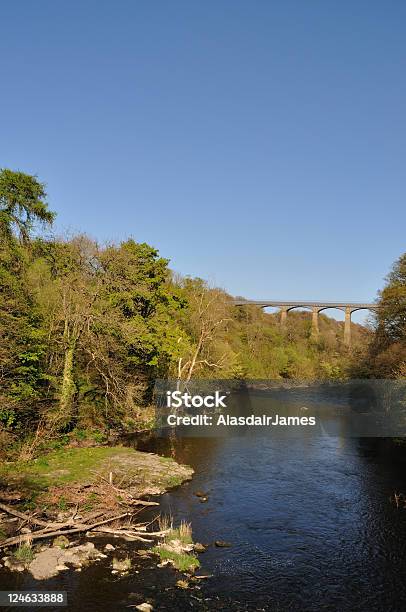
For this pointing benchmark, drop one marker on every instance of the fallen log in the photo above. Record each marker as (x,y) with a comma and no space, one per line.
(126,535)
(44,533)
(28,518)
(139,533)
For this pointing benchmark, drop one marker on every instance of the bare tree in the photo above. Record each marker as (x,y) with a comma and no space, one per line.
(207,317)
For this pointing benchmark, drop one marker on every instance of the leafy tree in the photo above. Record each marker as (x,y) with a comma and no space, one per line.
(64,281)
(134,337)
(391,319)
(22,204)
(387,354)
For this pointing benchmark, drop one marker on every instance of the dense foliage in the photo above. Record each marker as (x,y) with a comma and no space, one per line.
(386,355)
(86,329)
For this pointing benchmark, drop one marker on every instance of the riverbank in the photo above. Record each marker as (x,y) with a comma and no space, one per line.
(85,491)
(84,476)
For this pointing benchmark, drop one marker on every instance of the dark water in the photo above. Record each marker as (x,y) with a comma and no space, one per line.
(308,516)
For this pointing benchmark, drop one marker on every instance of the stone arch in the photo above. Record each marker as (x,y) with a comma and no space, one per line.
(322,308)
(304,307)
(370,308)
(364,318)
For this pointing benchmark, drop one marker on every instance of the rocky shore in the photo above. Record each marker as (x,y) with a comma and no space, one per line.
(88,492)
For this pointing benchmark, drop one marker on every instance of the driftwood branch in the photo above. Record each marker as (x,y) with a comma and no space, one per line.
(27,518)
(45,533)
(126,535)
(133,534)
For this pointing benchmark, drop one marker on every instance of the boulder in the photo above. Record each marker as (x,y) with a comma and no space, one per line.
(144,607)
(61,541)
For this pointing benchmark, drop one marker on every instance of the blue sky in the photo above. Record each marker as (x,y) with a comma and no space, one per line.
(257,144)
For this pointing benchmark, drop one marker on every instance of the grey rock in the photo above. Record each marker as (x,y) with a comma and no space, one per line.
(222,544)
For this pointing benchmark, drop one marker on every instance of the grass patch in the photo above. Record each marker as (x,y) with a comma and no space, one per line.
(52,478)
(177,537)
(122,566)
(24,554)
(62,504)
(174,481)
(91,501)
(182,533)
(60,542)
(63,466)
(30,503)
(181,561)
(165,522)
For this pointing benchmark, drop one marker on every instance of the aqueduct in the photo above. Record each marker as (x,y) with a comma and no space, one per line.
(316,307)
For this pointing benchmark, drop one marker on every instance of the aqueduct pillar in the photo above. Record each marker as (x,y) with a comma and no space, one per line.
(284,314)
(347,326)
(315,322)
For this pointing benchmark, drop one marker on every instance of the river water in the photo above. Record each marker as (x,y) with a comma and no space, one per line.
(309,518)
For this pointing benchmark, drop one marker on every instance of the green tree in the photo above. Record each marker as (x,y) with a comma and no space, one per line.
(22,205)
(64,279)
(22,343)
(387,355)
(391,316)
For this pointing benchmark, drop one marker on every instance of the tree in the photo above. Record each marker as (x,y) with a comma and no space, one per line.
(74,288)
(204,322)
(22,204)
(391,319)
(108,315)
(387,353)
(134,334)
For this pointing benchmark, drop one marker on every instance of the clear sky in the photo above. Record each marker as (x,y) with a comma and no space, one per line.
(257,144)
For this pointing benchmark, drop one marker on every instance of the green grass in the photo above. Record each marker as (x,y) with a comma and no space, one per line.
(174,481)
(24,554)
(30,502)
(182,533)
(62,504)
(90,502)
(78,466)
(181,561)
(62,466)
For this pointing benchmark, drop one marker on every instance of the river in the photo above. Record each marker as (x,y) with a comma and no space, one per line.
(308,516)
